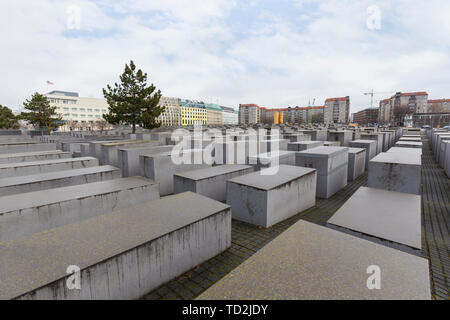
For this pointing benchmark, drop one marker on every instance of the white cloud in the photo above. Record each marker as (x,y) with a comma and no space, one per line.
(191,49)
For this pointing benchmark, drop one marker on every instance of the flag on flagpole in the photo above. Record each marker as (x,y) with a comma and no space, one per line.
(50,83)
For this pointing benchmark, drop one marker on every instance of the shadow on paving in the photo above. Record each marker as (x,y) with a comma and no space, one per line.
(247,239)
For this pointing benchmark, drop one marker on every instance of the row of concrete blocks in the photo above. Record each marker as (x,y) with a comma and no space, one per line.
(107,226)
(440,145)
(376,234)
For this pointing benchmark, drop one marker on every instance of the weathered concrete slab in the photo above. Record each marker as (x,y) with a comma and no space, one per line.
(26,147)
(210,182)
(332,166)
(161,167)
(265,198)
(442,159)
(369,145)
(270,159)
(34,167)
(232,152)
(332,143)
(447,157)
(316,135)
(304,145)
(34,156)
(122,255)
(57,179)
(414,151)
(395,171)
(407,144)
(406,138)
(109,154)
(128,158)
(356,163)
(343,137)
(387,215)
(28,213)
(378,137)
(313,262)
(296,137)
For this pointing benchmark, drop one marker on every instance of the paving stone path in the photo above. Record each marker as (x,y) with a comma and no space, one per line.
(247,239)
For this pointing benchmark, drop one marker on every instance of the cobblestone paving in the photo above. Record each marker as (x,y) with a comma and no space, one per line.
(436,222)
(247,239)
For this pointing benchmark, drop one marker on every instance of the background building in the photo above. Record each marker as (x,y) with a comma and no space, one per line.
(213,114)
(366,116)
(171,116)
(192,113)
(249,114)
(435,120)
(440,105)
(385,112)
(337,110)
(230,116)
(77,112)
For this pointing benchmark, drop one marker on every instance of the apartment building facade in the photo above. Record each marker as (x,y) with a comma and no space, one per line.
(193,113)
(213,114)
(337,110)
(438,105)
(171,116)
(249,114)
(78,113)
(366,116)
(230,116)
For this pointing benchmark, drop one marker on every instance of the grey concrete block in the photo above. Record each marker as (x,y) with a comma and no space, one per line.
(332,143)
(304,145)
(270,159)
(413,151)
(33,156)
(265,200)
(35,167)
(128,158)
(210,182)
(378,137)
(395,171)
(25,214)
(356,163)
(162,167)
(332,166)
(121,255)
(109,154)
(387,215)
(369,145)
(310,262)
(344,137)
(406,144)
(57,179)
(26,147)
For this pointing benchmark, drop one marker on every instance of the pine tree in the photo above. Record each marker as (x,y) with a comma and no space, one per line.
(7,119)
(41,114)
(132,101)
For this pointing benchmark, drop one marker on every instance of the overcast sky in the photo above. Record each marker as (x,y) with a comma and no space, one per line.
(273,53)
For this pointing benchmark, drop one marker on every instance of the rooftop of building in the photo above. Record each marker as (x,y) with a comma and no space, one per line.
(63,93)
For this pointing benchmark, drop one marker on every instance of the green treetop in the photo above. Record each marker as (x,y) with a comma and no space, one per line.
(132,101)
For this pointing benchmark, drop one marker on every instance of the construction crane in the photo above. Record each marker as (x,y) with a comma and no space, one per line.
(372,93)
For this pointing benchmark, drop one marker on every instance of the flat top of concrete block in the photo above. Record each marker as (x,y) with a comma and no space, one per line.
(129,142)
(398,158)
(322,151)
(39,259)
(43,162)
(372,134)
(307,142)
(272,178)
(407,150)
(210,172)
(272,155)
(46,197)
(411,143)
(312,262)
(12,181)
(18,143)
(387,215)
(363,141)
(340,131)
(356,150)
(33,153)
